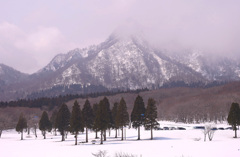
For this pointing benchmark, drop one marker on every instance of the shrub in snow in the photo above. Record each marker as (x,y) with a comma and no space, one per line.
(121,154)
(100,153)
(103,153)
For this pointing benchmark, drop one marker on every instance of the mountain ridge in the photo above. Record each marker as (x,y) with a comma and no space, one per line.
(122,63)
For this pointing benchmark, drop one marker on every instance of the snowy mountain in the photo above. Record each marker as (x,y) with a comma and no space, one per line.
(128,63)
(213,68)
(121,63)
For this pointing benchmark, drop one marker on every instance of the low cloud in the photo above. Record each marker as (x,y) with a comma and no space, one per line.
(209,26)
(47,28)
(30,51)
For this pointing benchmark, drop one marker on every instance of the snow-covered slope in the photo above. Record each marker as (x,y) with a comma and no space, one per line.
(132,63)
(211,67)
(61,60)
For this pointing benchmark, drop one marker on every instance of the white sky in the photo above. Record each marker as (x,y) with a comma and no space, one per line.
(32,32)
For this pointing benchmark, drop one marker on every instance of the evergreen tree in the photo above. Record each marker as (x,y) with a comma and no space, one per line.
(102,119)
(95,108)
(110,124)
(234,117)
(114,117)
(76,121)
(122,118)
(87,117)
(108,116)
(151,116)
(45,124)
(53,120)
(137,115)
(63,120)
(21,125)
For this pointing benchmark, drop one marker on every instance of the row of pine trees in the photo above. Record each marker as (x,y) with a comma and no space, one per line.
(98,117)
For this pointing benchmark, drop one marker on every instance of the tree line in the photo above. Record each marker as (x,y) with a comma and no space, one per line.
(49,103)
(98,117)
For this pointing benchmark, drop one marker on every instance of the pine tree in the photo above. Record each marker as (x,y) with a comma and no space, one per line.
(45,124)
(63,120)
(151,116)
(102,119)
(111,123)
(138,114)
(87,117)
(53,120)
(114,117)
(234,117)
(76,121)
(95,108)
(21,125)
(108,116)
(122,115)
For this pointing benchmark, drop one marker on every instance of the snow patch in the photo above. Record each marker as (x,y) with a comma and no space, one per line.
(194,62)
(58,59)
(68,77)
(72,70)
(238,72)
(162,66)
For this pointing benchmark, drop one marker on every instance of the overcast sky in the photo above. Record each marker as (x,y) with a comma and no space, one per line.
(32,32)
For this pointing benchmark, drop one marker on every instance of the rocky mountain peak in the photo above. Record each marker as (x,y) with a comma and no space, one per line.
(61,60)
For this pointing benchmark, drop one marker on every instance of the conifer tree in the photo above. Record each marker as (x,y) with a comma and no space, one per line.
(122,115)
(110,124)
(21,125)
(63,120)
(76,121)
(114,117)
(108,116)
(95,108)
(234,117)
(138,114)
(53,120)
(102,119)
(45,124)
(151,116)
(87,117)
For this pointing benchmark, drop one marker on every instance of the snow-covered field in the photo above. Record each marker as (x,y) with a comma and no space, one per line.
(166,143)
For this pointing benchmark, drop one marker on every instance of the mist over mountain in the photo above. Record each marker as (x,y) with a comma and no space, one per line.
(121,62)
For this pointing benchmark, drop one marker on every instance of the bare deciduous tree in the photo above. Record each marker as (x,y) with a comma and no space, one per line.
(5,123)
(209,131)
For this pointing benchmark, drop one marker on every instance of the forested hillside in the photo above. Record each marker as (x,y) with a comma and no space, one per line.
(182,104)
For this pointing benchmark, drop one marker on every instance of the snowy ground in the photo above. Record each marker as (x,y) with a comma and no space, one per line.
(172,143)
